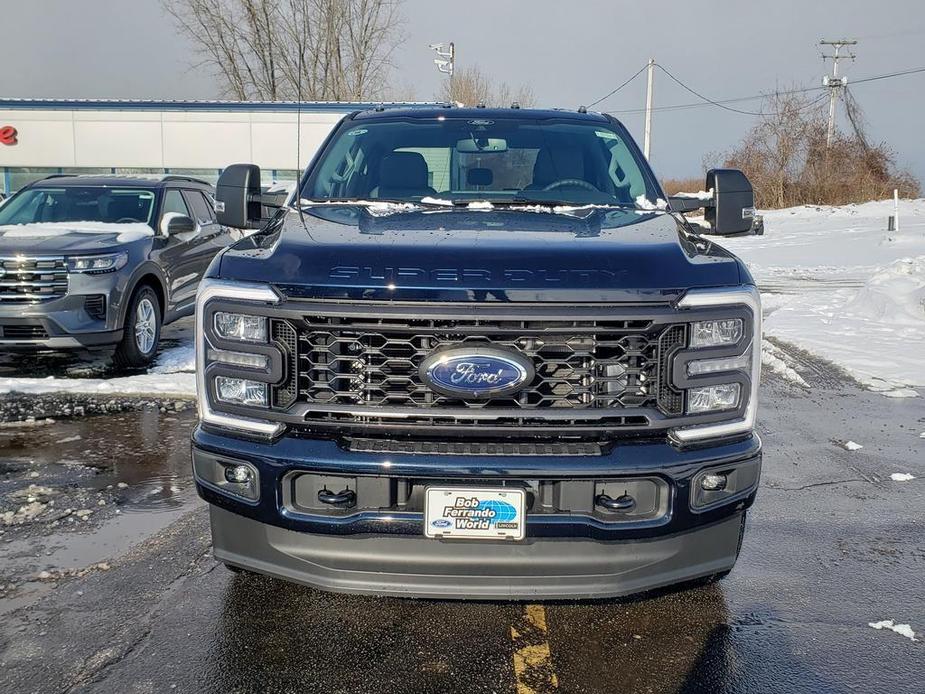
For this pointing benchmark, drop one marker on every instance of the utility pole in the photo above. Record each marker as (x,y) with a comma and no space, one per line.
(648,136)
(445,60)
(834,82)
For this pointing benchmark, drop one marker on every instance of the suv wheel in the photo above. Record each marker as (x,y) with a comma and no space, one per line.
(142,330)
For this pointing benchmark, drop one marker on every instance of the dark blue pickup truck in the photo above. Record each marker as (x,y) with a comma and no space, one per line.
(478,354)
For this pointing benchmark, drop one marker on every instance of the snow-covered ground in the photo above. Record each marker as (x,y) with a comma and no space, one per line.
(835,283)
(172,374)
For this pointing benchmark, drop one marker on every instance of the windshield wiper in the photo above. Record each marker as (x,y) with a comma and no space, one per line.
(572,204)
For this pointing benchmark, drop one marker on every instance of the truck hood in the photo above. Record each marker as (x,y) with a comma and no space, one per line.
(68,238)
(481,255)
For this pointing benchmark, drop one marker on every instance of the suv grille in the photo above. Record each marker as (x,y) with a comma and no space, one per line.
(23,332)
(611,367)
(32,279)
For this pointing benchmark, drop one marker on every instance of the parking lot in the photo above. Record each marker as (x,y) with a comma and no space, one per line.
(834,544)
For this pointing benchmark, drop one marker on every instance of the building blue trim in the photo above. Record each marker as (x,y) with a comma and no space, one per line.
(235,106)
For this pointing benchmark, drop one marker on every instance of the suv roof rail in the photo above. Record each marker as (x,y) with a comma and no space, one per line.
(181,177)
(158,178)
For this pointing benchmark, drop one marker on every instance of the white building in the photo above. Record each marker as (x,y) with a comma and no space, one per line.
(39,137)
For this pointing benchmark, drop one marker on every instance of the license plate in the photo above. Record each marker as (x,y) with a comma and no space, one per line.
(474,513)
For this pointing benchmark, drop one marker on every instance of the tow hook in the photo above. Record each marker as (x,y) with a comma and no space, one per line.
(622,504)
(346,497)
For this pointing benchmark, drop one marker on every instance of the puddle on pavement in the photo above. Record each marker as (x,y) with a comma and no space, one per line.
(137,460)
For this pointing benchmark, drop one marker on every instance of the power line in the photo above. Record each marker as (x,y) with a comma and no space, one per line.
(707,99)
(911,71)
(610,94)
(803,90)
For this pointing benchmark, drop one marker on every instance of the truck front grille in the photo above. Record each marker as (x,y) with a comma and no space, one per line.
(350,370)
(27,280)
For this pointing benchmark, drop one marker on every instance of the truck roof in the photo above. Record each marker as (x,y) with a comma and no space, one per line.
(451,111)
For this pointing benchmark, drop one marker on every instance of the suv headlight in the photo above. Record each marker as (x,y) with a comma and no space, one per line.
(720,369)
(97,264)
(235,360)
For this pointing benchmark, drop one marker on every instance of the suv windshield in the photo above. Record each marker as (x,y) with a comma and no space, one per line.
(465,159)
(79,204)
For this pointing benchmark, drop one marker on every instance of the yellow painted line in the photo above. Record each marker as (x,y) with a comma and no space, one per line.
(533,669)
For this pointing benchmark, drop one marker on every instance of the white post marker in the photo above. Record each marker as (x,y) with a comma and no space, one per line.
(896,208)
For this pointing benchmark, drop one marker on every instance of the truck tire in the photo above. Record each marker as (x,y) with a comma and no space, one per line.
(142,330)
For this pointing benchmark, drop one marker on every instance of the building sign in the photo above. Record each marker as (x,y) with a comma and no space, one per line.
(8,135)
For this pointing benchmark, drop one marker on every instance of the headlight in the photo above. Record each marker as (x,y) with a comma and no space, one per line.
(726,379)
(240,326)
(713,398)
(236,378)
(97,264)
(716,333)
(241,391)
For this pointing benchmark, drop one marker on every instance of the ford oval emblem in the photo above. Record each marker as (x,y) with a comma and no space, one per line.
(476,372)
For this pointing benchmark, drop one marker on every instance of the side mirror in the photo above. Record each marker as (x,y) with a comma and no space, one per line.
(733,208)
(176,223)
(237,197)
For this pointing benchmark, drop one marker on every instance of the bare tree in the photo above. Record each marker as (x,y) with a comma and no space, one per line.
(470,86)
(286,49)
(786,158)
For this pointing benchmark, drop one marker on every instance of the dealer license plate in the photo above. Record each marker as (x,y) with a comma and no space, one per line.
(475,513)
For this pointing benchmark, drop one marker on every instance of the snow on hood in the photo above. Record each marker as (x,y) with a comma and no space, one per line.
(126,233)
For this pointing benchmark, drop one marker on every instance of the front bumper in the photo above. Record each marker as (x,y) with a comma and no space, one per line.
(569,552)
(87,316)
(537,569)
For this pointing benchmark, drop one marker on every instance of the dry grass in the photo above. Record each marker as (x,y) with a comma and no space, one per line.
(673,186)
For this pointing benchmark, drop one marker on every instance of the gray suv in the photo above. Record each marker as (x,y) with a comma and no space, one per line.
(94,261)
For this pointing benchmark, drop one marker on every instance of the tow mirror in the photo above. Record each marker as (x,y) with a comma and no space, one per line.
(176,223)
(733,208)
(237,197)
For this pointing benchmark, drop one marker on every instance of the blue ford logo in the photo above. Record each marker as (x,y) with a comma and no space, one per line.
(476,372)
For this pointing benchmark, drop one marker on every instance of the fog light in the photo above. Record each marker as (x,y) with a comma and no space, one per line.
(713,398)
(241,474)
(241,391)
(712,482)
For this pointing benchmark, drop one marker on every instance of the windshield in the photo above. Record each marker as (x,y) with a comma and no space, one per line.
(48,204)
(464,159)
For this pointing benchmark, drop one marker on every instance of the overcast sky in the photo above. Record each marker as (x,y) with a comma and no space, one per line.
(570,52)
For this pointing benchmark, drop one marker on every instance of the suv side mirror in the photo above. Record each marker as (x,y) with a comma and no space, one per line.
(176,223)
(733,208)
(237,197)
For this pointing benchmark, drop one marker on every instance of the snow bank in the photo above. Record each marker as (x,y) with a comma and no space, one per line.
(835,283)
(772,359)
(174,384)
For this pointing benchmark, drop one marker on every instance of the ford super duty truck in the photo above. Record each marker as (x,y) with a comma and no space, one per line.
(477,354)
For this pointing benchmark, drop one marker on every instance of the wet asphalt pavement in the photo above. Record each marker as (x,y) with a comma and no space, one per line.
(832,544)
